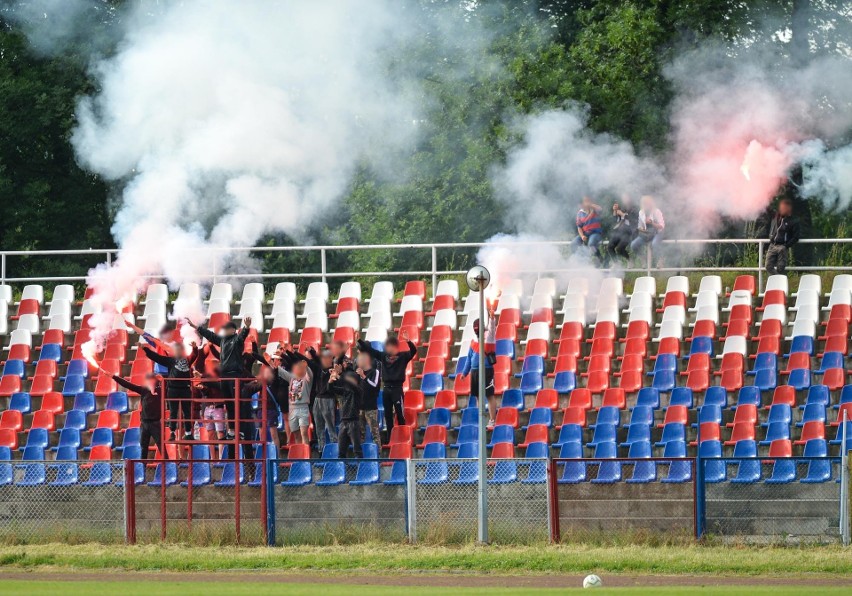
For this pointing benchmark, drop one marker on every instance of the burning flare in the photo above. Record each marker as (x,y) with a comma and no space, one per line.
(89,349)
(744,170)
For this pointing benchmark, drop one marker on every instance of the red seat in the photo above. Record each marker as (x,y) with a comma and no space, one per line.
(401,433)
(571,331)
(704,328)
(536,347)
(503,365)
(397,451)
(602,347)
(42,384)
(669,345)
(20,352)
(637,330)
(570,347)
(415,288)
(781,448)
(844,408)
(446,398)
(598,362)
(53,401)
(744,413)
(732,380)
(438,349)
(834,378)
(43,419)
(506,331)
(134,421)
(769,345)
(414,400)
(632,362)
(410,415)
(442,302)
(708,431)
(673,298)
(536,433)
(461,385)
(838,343)
(598,381)
(574,415)
(9,384)
(503,451)
(542,315)
(115,352)
(565,363)
(47,368)
(412,318)
(631,381)
(412,332)
(547,398)
(745,282)
(53,337)
(117,336)
(441,334)
(637,347)
(108,419)
(12,420)
(698,380)
(732,361)
(105,383)
(346,305)
(435,433)
(741,312)
(783,395)
(604,330)
(700,361)
(9,438)
(501,383)
(310,337)
(30,306)
(345,335)
(279,335)
(737,328)
(100,453)
(813,429)
(740,431)
(510,316)
(835,328)
(508,416)
(769,328)
(841,311)
(141,365)
(675,414)
(615,397)
(580,398)
(773,297)
(217,320)
(797,360)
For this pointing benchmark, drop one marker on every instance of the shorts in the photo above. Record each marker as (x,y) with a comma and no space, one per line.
(214,417)
(299,417)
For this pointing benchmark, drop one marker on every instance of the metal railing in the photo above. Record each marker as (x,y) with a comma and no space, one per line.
(432,252)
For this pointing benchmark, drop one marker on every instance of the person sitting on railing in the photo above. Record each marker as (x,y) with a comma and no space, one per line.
(589,230)
(784,232)
(178,371)
(346,388)
(624,229)
(650,226)
(151,413)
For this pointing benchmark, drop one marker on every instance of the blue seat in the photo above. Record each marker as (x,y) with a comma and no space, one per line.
(748,396)
(21,401)
(134,452)
(701,345)
(819,394)
(15,368)
(532,364)
(438,417)
(437,472)
(673,431)
(664,362)
(831,360)
(607,416)
(838,438)
(35,474)
(783,471)
(467,434)
(637,433)
(608,471)
(51,352)
(845,394)
(171,475)
(766,379)
(779,413)
(37,437)
(531,383)
(664,381)
(117,400)
(333,474)
(604,433)
(763,361)
(505,472)
(300,473)
(800,379)
(715,469)
(66,453)
(505,347)
(100,436)
(131,437)
(330,451)
(681,396)
(368,471)
(73,385)
(513,398)
(468,471)
(540,416)
(84,401)
(432,383)
(748,470)
(100,474)
(641,415)
(230,476)
(565,382)
(650,397)
(572,471)
(470,416)
(716,396)
(708,414)
(70,438)
(460,364)
(537,473)
(75,419)
(680,470)
(397,475)
(6,472)
(643,471)
(812,413)
(77,368)
(66,473)
(802,343)
(502,433)
(201,471)
(569,433)
(471,405)
(776,431)
(819,470)
(271,453)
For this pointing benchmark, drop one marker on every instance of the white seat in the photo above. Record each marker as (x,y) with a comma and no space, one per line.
(89,308)
(29,322)
(706,298)
(606,301)
(350,289)
(379,305)
(608,315)
(447,287)
(612,285)
(63,292)
(471,303)
(468,335)
(20,337)
(350,319)
(285,289)
(189,292)
(281,305)
(674,313)
(317,289)
(670,329)
(251,308)
(808,312)
(253,292)
(284,320)
(735,344)
(737,298)
(775,311)
(512,286)
(806,298)
(539,330)
(545,285)
(802,327)
(222,291)
(574,315)
(60,321)
(218,306)
(154,307)
(157,292)
(313,305)
(33,292)
(573,300)
(258,323)
(842,281)
(318,320)
(4,318)
(509,301)
(410,303)
(376,334)
(119,321)
(777,282)
(446,318)
(711,283)
(707,313)
(59,307)
(641,314)
(640,300)
(6,294)
(839,296)
(809,283)
(678,283)
(154,323)
(381,319)
(382,290)
(645,284)
(271,348)
(578,285)
(540,302)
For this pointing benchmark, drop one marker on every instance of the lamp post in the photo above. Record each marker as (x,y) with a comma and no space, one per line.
(477,280)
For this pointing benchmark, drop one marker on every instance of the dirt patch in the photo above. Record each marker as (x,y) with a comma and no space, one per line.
(426,579)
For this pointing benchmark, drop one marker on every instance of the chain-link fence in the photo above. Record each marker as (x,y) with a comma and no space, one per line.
(619,499)
(443,500)
(62,501)
(772,500)
(338,501)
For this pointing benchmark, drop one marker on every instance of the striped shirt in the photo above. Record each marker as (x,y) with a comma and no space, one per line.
(588,222)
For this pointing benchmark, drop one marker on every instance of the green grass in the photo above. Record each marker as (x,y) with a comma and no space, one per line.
(577,559)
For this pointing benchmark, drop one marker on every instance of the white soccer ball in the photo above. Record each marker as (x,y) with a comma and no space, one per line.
(592,581)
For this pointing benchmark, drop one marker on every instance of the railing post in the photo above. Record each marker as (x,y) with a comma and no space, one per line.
(553,502)
(844,485)
(648,258)
(434,271)
(109,257)
(411,499)
(3,268)
(129,502)
(759,265)
(323,265)
(270,501)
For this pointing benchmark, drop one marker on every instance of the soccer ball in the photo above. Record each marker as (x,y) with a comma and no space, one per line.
(592,581)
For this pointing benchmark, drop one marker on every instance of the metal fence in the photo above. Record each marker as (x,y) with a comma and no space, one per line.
(62,501)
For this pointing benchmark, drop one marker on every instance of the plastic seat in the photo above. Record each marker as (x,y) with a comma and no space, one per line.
(643,471)
(680,396)
(201,469)
(541,416)
(171,476)
(569,433)
(818,470)
(607,416)
(565,382)
(368,471)
(609,472)
(680,470)
(75,419)
(502,433)
(573,472)
(748,470)
(574,415)
(37,437)
(672,432)
(640,433)
(779,413)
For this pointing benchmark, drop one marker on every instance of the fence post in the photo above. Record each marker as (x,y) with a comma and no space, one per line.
(434,270)
(700,509)
(129,502)
(3,269)
(411,499)
(759,265)
(322,265)
(844,485)
(648,258)
(270,501)
(553,503)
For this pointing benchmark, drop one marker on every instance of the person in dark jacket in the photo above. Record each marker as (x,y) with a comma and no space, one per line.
(346,387)
(151,415)
(784,233)
(177,368)
(371,379)
(323,405)
(393,364)
(471,365)
(231,346)
(256,387)
(623,230)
